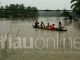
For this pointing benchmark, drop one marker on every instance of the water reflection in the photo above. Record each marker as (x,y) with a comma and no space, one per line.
(67,22)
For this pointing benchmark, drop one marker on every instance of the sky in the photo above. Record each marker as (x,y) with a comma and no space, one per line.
(40,4)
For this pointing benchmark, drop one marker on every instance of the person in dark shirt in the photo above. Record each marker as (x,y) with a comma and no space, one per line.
(36,24)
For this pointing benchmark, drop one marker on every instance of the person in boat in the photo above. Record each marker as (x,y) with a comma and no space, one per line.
(47,27)
(52,27)
(60,26)
(42,25)
(36,24)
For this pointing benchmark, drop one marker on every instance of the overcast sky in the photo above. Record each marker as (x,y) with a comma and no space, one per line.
(40,4)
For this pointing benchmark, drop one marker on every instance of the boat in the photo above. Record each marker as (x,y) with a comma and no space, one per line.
(57,29)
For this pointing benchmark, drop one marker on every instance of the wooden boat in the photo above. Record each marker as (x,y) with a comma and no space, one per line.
(57,29)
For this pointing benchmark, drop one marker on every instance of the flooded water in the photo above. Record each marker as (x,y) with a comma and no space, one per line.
(41,44)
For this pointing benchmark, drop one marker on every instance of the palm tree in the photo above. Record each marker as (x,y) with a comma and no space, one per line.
(76,6)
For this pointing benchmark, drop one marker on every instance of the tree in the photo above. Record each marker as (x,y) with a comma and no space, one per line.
(1,11)
(28,11)
(34,12)
(65,13)
(31,11)
(76,6)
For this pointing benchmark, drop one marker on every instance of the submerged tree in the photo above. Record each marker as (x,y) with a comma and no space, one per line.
(76,6)
(65,13)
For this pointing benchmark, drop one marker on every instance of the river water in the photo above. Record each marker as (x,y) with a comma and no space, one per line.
(41,44)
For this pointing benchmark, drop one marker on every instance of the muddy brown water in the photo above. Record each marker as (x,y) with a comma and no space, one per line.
(44,44)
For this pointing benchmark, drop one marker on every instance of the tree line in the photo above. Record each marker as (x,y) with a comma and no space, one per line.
(18,10)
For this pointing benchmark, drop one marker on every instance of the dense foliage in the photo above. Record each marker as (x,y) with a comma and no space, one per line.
(18,10)
(65,13)
(76,6)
